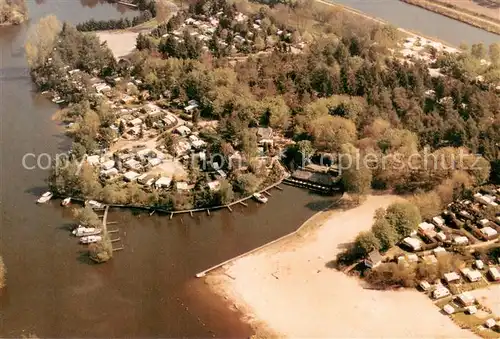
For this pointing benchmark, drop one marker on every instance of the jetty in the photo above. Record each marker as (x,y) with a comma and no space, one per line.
(171,213)
(297,232)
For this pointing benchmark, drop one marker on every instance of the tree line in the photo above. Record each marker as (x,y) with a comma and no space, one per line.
(147,10)
(101,25)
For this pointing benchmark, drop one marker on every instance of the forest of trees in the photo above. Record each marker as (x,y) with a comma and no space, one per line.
(13,12)
(344,94)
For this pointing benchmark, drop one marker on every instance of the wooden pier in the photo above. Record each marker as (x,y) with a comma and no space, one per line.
(207,210)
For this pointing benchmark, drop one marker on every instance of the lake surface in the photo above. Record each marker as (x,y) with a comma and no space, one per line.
(418,19)
(148,289)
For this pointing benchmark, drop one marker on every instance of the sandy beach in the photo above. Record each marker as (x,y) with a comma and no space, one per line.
(290,290)
(121,43)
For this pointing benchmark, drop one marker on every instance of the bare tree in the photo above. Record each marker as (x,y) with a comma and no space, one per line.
(41,40)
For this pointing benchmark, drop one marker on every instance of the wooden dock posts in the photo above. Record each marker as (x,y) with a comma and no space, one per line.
(115,240)
(118,249)
(229,208)
(113,231)
(281,189)
(243,203)
(266,192)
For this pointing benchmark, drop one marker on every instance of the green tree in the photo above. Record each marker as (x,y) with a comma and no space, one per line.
(87,217)
(356,176)
(403,217)
(249,145)
(364,243)
(385,234)
(101,251)
(478,50)
(225,193)
(41,40)
(494,52)
(247,183)
(329,133)
(276,112)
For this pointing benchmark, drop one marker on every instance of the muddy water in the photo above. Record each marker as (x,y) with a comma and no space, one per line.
(431,24)
(148,289)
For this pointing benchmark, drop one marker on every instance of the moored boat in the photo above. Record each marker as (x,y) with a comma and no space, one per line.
(81,231)
(94,204)
(260,197)
(66,201)
(90,239)
(45,197)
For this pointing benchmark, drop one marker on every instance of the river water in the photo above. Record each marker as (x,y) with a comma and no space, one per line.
(420,20)
(148,289)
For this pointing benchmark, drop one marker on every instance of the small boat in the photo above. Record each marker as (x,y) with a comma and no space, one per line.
(66,202)
(81,231)
(57,100)
(45,197)
(94,204)
(90,239)
(260,197)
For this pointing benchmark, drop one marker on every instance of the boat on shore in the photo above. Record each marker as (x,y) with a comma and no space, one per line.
(90,239)
(94,204)
(57,100)
(45,197)
(66,201)
(260,197)
(82,231)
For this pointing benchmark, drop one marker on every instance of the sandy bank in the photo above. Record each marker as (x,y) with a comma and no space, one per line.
(288,289)
(121,43)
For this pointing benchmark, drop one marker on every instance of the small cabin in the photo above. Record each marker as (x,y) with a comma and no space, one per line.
(373,259)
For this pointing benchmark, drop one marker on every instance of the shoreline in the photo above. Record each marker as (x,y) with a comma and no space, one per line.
(408,32)
(290,288)
(456,13)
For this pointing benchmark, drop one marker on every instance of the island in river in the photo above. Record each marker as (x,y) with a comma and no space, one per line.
(13,12)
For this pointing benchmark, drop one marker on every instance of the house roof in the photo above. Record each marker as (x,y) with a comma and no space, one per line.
(163,182)
(131,175)
(489,232)
(412,242)
(451,276)
(264,132)
(374,257)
